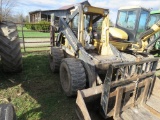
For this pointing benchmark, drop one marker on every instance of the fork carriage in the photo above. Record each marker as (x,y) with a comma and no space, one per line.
(128,92)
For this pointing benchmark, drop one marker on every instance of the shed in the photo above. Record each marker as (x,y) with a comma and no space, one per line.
(39,15)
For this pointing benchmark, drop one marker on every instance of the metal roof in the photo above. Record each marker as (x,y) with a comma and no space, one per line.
(67,7)
(130,7)
(72,6)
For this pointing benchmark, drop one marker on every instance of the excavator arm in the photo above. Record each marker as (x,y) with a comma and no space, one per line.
(148,34)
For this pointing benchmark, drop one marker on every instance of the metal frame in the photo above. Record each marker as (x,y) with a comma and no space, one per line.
(77,43)
(119,88)
(140,72)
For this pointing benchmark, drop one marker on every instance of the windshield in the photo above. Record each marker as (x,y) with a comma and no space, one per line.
(93,27)
(127,19)
(153,19)
(142,22)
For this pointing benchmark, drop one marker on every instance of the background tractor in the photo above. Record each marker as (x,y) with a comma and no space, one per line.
(154,17)
(11,59)
(82,53)
(133,21)
(10,51)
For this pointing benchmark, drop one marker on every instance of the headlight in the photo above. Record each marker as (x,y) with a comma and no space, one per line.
(106,12)
(86,9)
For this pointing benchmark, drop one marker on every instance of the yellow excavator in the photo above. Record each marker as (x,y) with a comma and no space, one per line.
(118,81)
(133,21)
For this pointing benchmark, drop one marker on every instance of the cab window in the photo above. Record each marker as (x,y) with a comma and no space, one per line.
(142,22)
(74,24)
(127,19)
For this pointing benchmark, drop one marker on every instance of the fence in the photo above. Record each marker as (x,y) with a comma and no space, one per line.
(34,39)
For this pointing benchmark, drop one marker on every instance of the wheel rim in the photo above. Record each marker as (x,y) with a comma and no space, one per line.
(65,79)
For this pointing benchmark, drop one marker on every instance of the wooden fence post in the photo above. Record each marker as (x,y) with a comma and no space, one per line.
(24,47)
(52,31)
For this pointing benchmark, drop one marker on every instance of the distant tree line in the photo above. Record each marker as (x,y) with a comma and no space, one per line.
(7,11)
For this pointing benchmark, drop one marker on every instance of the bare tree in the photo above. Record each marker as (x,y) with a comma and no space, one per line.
(18,17)
(7,8)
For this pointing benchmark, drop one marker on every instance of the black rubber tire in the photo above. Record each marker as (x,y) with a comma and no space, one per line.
(72,76)
(56,56)
(10,50)
(7,112)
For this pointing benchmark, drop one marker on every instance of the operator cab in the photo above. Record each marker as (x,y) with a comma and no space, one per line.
(92,28)
(133,21)
(90,25)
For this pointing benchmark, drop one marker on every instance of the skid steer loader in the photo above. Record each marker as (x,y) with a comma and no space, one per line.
(83,55)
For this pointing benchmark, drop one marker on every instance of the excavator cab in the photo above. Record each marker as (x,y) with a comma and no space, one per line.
(133,20)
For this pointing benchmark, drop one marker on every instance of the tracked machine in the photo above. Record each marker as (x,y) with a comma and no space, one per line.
(142,29)
(136,22)
(89,64)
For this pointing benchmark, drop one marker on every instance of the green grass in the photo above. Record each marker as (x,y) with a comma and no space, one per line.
(31,33)
(35,49)
(36,92)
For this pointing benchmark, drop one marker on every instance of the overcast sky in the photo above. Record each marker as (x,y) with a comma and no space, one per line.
(25,6)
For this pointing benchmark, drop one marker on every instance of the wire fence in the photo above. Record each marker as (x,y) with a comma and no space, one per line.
(34,39)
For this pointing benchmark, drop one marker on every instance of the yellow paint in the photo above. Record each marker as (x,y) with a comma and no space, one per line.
(120,45)
(144,40)
(155,28)
(118,33)
(97,44)
(66,43)
(105,35)
(95,10)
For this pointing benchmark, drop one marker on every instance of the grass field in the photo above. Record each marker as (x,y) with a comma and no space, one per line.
(36,92)
(31,33)
(34,36)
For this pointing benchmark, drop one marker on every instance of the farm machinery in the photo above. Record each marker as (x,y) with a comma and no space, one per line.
(154,17)
(11,59)
(10,52)
(134,20)
(141,27)
(121,82)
